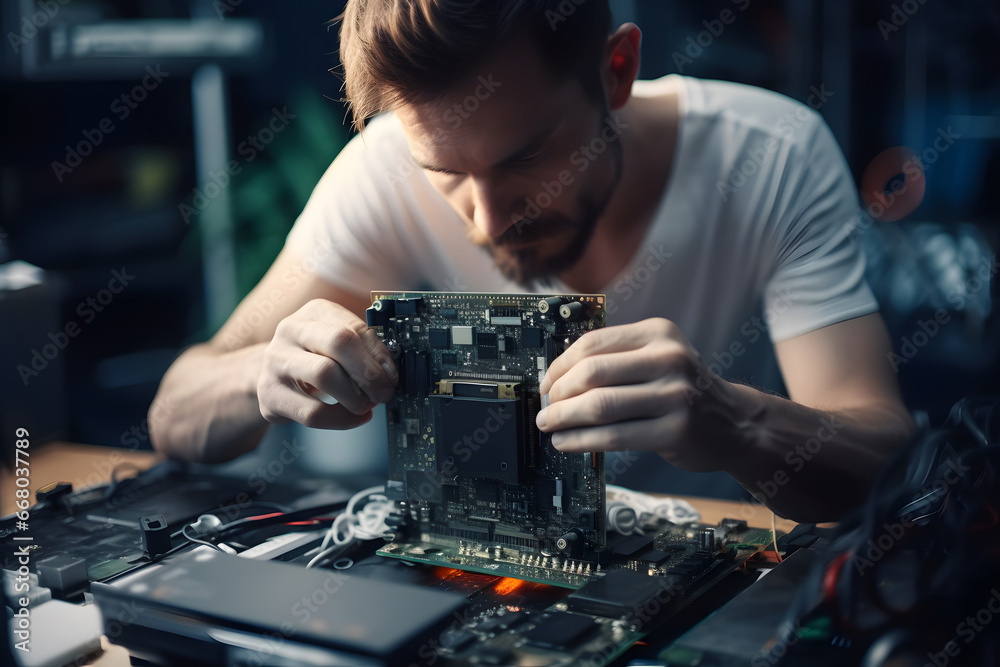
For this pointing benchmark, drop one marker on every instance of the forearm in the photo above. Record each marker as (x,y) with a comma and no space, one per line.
(206,407)
(809,464)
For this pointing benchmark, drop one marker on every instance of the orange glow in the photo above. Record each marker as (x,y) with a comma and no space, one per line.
(508,585)
(448,573)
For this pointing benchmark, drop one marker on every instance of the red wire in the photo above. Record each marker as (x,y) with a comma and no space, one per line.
(831,576)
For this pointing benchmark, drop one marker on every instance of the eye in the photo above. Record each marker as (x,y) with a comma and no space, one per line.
(530,158)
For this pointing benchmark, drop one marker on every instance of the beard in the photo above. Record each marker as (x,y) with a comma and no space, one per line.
(517,252)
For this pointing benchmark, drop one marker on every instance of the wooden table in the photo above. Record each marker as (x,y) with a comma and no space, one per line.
(89,465)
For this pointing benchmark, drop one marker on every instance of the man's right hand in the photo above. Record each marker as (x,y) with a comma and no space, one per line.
(324,348)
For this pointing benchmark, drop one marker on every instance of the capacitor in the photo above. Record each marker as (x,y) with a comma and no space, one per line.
(706,539)
(551,303)
(565,542)
(571,311)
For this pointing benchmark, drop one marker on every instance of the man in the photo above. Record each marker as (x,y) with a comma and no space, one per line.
(518,123)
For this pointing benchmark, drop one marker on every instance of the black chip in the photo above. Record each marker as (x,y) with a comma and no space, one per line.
(439,338)
(487,343)
(655,557)
(617,594)
(531,336)
(456,640)
(510,345)
(450,313)
(449,359)
(502,623)
(631,545)
(560,631)
(545,489)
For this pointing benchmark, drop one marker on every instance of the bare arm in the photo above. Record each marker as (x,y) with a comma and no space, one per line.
(292,337)
(814,456)
(811,458)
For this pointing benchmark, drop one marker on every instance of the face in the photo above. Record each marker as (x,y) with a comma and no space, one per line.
(519,155)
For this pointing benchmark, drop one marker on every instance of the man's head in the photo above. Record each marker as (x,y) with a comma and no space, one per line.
(504,103)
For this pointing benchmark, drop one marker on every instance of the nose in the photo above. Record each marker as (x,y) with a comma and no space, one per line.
(490,214)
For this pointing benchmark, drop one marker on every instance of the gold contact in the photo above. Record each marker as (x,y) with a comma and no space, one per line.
(484,388)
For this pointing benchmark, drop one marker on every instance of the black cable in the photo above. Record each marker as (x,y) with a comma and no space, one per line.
(938,498)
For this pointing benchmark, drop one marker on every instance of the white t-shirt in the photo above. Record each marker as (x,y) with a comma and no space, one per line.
(750,239)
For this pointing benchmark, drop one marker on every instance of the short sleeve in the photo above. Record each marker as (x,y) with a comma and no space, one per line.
(819,271)
(351,232)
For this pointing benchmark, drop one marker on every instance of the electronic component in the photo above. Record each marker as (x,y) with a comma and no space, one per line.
(560,631)
(64,574)
(630,545)
(550,303)
(617,594)
(531,337)
(463,335)
(572,311)
(378,619)
(502,623)
(155,535)
(439,338)
(706,538)
(655,557)
(474,477)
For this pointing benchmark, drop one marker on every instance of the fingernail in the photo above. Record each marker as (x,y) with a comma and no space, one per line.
(541,419)
(390,371)
(558,439)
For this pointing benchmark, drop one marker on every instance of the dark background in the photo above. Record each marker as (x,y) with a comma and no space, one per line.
(899,72)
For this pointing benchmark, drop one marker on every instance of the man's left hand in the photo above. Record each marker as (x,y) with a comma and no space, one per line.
(642,386)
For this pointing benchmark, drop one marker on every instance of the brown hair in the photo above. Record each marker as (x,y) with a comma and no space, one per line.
(411,51)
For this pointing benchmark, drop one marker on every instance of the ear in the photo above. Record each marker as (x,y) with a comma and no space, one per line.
(621,64)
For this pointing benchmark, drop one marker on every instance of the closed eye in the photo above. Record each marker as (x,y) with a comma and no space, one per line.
(530,158)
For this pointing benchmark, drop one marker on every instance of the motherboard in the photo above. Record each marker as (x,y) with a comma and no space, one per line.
(479,486)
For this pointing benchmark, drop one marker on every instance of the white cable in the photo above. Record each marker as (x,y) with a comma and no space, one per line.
(673,509)
(367,523)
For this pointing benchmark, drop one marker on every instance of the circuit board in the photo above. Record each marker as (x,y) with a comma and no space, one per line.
(473,476)
(650,579)
(683,555)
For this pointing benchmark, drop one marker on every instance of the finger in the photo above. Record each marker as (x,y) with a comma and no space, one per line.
(326,375)
(637,435)
(285,403)
(605,341)
(618,369)
(379,352)
(606,405)
(347,346)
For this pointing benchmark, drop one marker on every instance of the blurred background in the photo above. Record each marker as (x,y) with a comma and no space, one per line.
(155,154)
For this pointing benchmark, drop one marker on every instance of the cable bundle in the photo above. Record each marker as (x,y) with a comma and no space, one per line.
(917,570)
